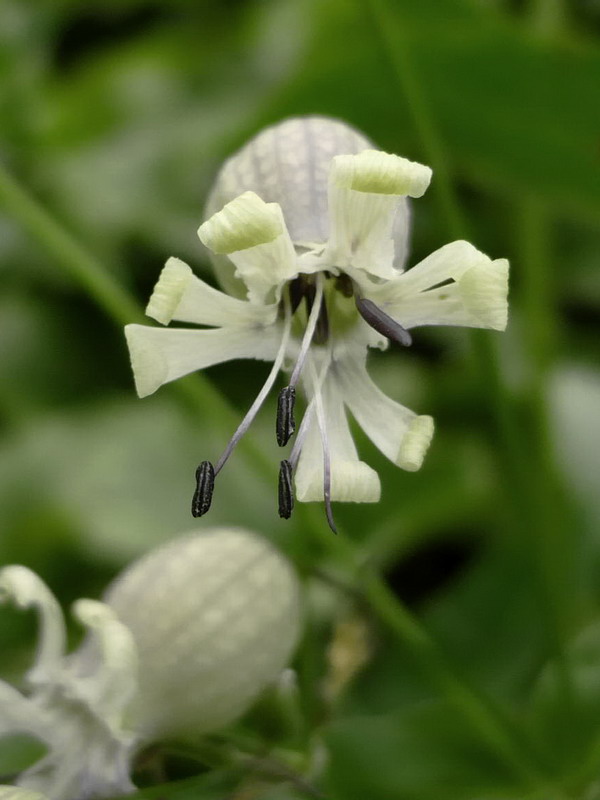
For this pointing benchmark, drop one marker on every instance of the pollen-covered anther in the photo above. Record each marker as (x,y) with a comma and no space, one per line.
(285,423)
(205,484)
(382,322)
(285,490)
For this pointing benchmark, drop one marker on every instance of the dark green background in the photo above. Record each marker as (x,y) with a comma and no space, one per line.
(115,117)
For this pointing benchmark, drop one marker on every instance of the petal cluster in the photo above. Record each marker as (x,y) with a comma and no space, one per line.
(162,657)
(313,295)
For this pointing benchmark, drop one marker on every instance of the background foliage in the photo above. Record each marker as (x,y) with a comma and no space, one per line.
(466,604)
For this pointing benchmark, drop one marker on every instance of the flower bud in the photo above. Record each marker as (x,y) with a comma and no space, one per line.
(289,163)
(186,639)
(215,617)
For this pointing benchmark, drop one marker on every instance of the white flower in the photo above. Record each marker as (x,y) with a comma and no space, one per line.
(184,641)
(309,231)
(15,793)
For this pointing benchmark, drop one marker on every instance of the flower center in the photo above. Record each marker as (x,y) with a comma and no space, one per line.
(315,309)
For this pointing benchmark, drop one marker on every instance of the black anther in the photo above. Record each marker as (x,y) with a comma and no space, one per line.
(382,322)
(285,424)
(285,494)
(205,484)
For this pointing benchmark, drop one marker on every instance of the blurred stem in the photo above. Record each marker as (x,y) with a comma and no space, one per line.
(550,539)
(394,49)
(537,291)
(485,718)
(96,280)
(77,262)
(525,463)
(548,17)
(553,545)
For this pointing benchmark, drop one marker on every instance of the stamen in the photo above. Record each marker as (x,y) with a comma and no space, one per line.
(285,423)
(382,322)
(297,291)
(286,494)
(295,454)
(205,484)
(311,325)
(262,395)
(322,329)
(325,443)
(306,419)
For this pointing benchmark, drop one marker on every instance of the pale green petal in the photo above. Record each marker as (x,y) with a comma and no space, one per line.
(447,263)
(415,443)
(265,268)
(390,426)
(180,295)
(376,172)
(443,306)
(24,588)
(473,293)
(16,793)
(159,356)
(18,714)
(484,290)
(351,479)
(367,208)
(244,222)
(113,680)
(254,236)
(169,290)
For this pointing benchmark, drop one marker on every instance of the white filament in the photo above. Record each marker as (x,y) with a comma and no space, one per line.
(310,330)
(324,441)
(262,395)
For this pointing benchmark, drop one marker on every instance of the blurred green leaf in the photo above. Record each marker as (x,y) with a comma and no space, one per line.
(422,752)
(572,732)
(514,112)
(123,474)
(18,752)
(212,786)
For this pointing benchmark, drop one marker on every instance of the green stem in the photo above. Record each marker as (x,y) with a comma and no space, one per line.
(87,271)
(550,545)
(394,49)
(527,495)
(77,262)
(547,17)
(480,713)
(550,536)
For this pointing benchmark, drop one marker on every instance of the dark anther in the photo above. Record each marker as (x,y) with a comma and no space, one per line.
(322,330)
(205,483)
(343,283)
(285,424)
(286,495)
(297,291)
(321,334)
(381,322)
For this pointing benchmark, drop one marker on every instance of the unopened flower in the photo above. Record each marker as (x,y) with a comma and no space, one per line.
(309,228)
(184,641)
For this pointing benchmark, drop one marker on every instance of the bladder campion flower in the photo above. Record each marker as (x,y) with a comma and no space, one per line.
(184,641)
(308,226)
